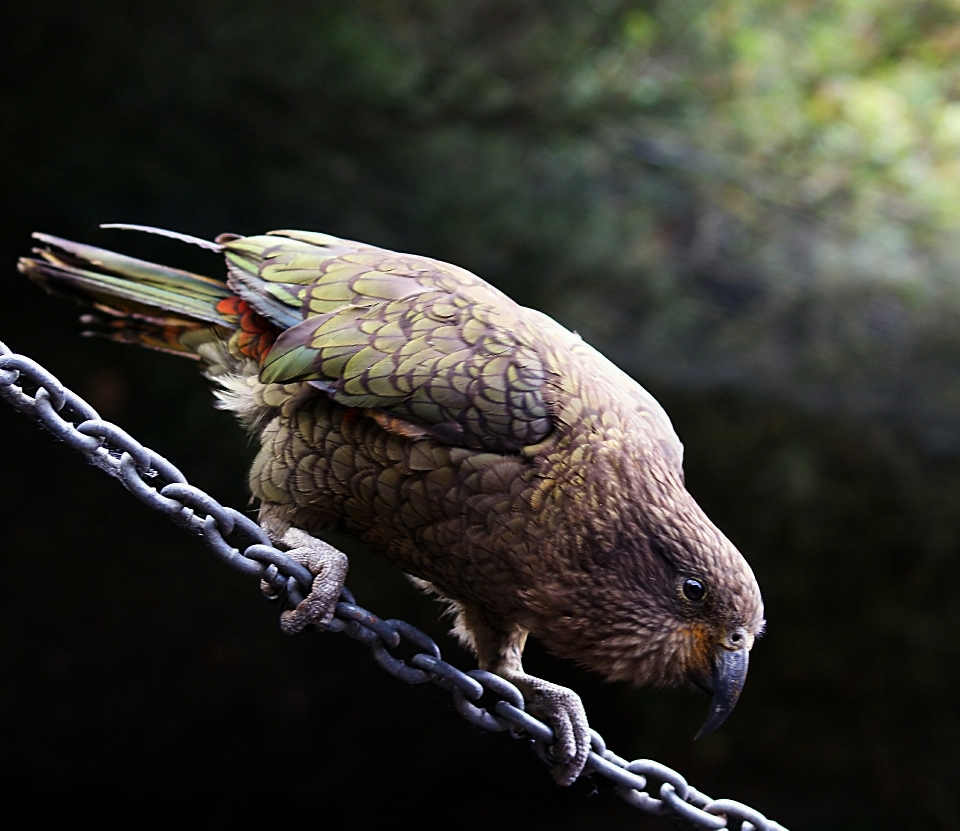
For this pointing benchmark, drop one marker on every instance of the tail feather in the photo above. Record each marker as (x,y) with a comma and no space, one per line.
(138,301)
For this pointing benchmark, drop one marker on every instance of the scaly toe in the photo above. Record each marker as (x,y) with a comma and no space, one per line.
(329,569)
(562,709)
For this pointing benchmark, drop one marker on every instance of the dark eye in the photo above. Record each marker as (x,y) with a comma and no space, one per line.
(693,589)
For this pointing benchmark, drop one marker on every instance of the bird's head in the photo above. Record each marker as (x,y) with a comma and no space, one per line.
(713,620)
(678,603)
(701,607)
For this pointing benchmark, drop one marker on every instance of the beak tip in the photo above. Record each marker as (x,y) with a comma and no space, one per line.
(729,675)
(714,719)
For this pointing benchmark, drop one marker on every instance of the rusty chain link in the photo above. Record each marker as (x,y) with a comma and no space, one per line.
(242,544)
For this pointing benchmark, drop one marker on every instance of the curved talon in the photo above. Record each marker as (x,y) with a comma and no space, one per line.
(329,567)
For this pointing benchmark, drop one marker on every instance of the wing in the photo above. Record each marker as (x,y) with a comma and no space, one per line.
(418,340)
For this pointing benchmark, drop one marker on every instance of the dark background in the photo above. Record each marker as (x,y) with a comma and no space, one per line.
(145,680)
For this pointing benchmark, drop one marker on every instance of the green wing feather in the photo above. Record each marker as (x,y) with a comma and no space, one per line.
(421,340)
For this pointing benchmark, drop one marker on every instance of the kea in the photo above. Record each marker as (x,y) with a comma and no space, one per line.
(490,453)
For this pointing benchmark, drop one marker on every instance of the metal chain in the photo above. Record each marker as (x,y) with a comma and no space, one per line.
(242,544)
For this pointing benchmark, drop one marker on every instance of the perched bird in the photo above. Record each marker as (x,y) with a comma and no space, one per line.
(484,449)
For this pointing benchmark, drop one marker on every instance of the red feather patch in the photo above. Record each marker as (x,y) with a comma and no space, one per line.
(256,334)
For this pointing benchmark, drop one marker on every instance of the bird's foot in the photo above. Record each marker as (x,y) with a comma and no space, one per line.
(562,709)
(328,566)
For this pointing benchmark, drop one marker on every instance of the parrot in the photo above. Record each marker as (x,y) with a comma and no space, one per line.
(491,454)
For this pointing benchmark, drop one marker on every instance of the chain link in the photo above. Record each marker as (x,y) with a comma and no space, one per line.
(242,544)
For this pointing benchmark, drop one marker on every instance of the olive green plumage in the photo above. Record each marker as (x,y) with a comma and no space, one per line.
(422,340)
(479,445)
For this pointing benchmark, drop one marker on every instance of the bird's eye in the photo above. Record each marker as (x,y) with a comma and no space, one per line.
(693,589)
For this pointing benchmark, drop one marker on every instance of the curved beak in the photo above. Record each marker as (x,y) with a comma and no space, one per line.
(729,675)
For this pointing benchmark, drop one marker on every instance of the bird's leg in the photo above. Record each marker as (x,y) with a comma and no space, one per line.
(328,566)
(499,645)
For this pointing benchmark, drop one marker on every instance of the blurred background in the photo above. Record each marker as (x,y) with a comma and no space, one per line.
(751,206)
